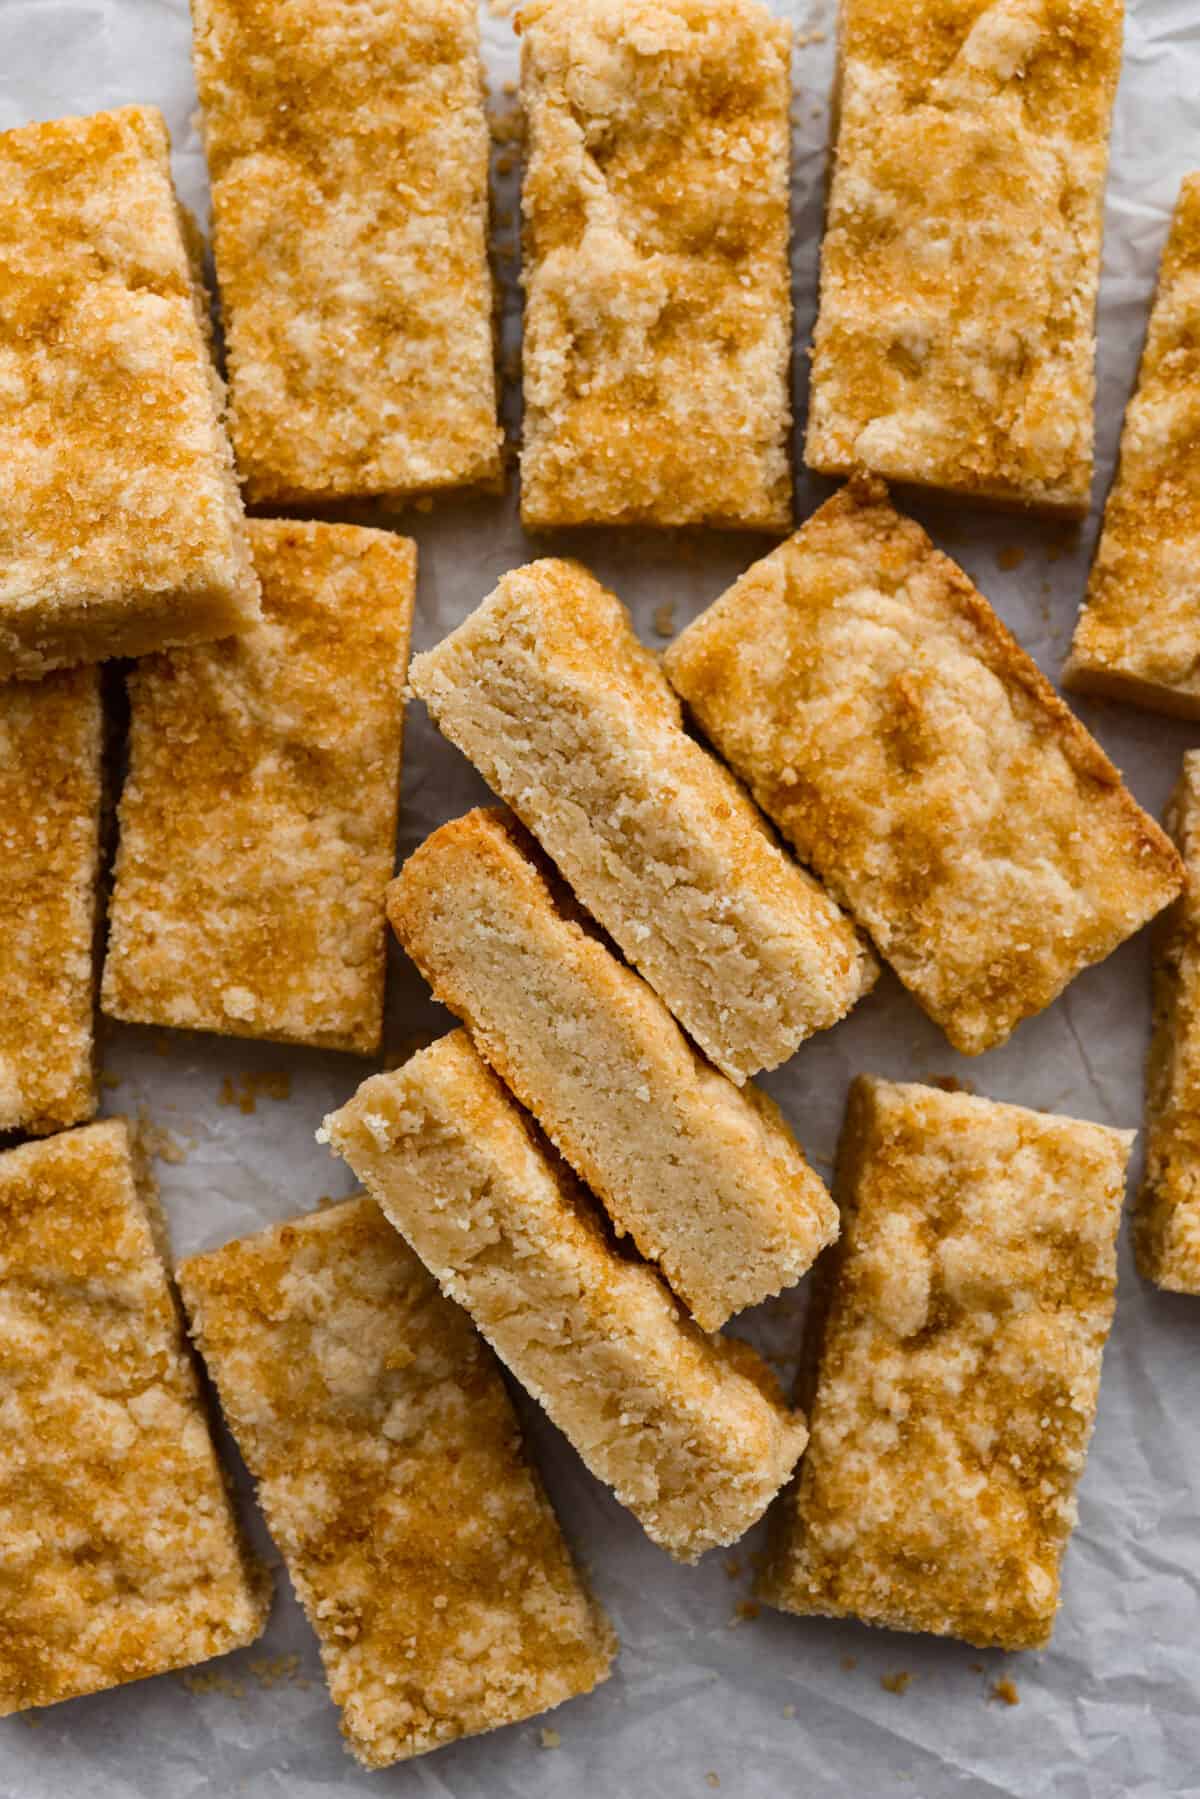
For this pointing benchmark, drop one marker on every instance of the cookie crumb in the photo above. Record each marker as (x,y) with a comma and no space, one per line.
(789,1711)
(550,1739)
(713,1778)
(849,1663)
(664,619)
(1010,557)
(1006,1690)
(896,1683)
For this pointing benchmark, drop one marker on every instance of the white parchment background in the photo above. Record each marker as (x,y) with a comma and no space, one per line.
(770,1705)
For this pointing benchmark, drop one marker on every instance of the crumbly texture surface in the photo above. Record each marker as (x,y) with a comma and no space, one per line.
(119,1553)
(120,519)
(1167,1221)
(258,818)
(1138,636)
(705,1177)
(955,339)
(50,799)
(389,1467)
(548,691)
(690,1431)
(349,158)
(957,1378)
(658,307)
(912,752)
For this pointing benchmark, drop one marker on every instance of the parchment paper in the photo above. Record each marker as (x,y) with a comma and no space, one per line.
(703,1697)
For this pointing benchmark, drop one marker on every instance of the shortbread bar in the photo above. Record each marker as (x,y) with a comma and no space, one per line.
(389,1466)
(50,797)
(657,289)
(1138,636)
(120,520)
(119,1552)
(955,339)
(690,1431)
(706,1178)
(914,755)
(348,151)
(957,1377)
(258,818)
(553,698)
(1167,1222)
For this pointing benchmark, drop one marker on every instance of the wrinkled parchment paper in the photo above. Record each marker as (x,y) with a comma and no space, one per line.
(704,1697)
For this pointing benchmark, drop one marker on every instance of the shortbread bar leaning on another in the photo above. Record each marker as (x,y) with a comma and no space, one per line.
(120,520)
(957,1376)
(705,1177)
(119,1553)
(1138,635)
(389,1466)
(258,818)
(549,692)
(50,799)
(955,339)
(658,306)
(1167,1221)
(918,760)
(348,150)
(690,1431)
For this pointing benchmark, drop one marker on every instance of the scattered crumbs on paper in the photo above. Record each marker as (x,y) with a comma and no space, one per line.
(270,1670)
(212,1680)
(789,1711)
(423,503)
(1010,557)
(248,1089)
(110,1082)
(951,1083)
(1006,1690)
(977,1667)
(158,1142)
(507,122)
(896,1683)
(664,619)
(733,1566)
(849,1663)
(506,162)
(550,1738)
(713,1778)
(748,1609)
(31,1720)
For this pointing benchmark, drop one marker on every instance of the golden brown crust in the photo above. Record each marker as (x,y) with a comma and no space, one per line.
(570,720)
(947,353)
(1138,635)
(119,1553)
(349,157)
(1167,1221)
(916,757)
(658,292)
(959,1367)
(691,1431)
(120,520)
(258,818)
(390,1469)
(705,1177)
(50,799)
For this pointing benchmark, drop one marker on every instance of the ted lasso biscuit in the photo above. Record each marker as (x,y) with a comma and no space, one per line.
(120,520)
(119,1552)
(389,1466)
(690,1431)
(955,339)
(658,308)
(258,818)
(1167,1221)
(1138,636)
(50,800)
(958,1369)
(348,150)
(548,691)
(903,741)
(704,1176)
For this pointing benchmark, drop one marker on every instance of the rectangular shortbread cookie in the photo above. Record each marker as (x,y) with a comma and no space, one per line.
(50,799)
(1167,1222)
(690,1431)
(957,1376)
(915,756)
(1138,635)
(258,818)
(705,1177)
(348,151)
(548,691)
(120,519)
(119,1553)
(389,1466)
(955,338)
(658,308)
